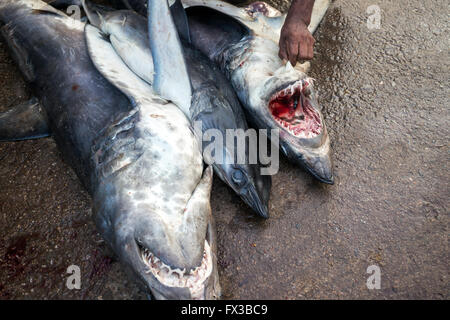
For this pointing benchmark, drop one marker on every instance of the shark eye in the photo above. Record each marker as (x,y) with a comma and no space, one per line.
(238,177)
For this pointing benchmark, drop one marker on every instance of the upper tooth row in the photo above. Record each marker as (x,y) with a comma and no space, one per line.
(297,85)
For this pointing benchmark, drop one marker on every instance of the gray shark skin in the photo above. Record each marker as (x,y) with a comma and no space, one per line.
(140,6)
(61,4)
(244,43)
(64,4)
(151,197)
(212,99)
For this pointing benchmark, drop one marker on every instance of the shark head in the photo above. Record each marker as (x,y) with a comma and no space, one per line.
(275,95)
(232,151)
(292,105)
(151,201)
(168,249)
(248,182)
(281,96)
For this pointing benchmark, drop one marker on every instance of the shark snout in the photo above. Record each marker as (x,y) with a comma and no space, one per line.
(171,252)
(320,166)
(248,183)
(257,195)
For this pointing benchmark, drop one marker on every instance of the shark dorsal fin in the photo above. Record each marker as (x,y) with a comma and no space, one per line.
(171,80)
(112,67)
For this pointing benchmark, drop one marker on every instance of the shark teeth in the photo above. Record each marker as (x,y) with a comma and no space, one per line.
(175,277)
(292,112)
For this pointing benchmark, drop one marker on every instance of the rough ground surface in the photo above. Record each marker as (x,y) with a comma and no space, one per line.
(385,98)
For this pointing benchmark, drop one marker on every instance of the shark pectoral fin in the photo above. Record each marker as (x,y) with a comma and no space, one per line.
(171,80)
(41,7)
(200,197)
(112,67)
(180,19)
(24,121)
(18,52)
(194,217)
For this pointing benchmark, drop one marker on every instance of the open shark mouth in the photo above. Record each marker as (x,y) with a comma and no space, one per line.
(292,110)
(193,279)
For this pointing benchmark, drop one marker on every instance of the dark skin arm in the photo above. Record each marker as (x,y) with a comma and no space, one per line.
(296,42)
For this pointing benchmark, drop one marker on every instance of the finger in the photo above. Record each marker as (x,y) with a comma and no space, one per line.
(293,53)
(282,53)
(311,48)
(287,49)
(310,52)
(303,51)
(306,50)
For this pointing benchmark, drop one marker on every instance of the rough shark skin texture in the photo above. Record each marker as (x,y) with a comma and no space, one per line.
(121,151)
(244,43)
(214,104)
(389,204)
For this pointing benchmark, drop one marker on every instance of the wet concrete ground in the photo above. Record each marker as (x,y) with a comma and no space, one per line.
(385,99)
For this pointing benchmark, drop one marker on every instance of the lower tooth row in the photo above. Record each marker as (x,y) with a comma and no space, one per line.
(194,274)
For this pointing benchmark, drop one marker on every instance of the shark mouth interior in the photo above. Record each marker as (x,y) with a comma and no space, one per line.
(193,279)
(292,110)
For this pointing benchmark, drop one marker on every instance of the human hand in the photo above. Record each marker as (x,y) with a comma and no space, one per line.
(296,42)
